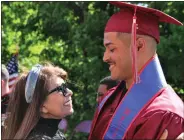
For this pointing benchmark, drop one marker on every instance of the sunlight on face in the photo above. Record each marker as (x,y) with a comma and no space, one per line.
(118,56)
(56,105)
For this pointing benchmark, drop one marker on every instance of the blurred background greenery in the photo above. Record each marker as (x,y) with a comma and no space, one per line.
(70,35)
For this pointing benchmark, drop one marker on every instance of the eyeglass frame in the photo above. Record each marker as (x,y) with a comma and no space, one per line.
(62,88)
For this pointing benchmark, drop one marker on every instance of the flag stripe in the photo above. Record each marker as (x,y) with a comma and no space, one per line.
(12,67)
(13,75)
(12,81)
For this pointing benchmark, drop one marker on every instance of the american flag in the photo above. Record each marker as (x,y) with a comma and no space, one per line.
(12,67)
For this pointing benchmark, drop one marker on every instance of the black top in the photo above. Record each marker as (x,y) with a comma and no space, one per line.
(46,129)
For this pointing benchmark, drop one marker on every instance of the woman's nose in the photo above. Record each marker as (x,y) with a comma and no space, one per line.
(69,92)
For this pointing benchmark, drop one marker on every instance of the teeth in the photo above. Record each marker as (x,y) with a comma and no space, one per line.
(111,67)
(68,103)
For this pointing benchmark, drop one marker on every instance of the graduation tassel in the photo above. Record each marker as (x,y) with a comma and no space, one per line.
(136,77)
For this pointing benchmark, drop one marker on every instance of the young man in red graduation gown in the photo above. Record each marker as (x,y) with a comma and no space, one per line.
(147,105)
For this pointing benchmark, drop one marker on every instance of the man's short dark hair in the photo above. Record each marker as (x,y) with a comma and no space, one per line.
(109,82)
(4,73)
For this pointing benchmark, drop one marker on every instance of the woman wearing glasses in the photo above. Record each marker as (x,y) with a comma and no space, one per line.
(40,100)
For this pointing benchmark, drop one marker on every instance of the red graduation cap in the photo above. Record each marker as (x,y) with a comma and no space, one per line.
(137,20)
(147,19)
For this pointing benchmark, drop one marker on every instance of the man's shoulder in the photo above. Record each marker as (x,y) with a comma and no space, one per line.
(167,101)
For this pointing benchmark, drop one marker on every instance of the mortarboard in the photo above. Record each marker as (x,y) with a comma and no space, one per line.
(147,19)
(140,20)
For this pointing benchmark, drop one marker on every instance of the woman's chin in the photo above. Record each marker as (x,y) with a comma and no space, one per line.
(70,112)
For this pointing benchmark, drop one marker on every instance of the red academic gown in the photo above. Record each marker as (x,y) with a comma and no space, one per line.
(166,111)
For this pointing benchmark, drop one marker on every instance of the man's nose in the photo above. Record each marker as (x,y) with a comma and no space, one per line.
(106,56)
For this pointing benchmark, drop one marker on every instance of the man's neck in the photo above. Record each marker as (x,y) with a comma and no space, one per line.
(130,80)
(128,83)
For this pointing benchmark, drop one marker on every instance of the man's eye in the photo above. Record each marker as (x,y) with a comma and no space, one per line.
(112,50)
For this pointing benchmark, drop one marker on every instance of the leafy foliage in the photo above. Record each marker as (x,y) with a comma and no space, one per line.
(70,35)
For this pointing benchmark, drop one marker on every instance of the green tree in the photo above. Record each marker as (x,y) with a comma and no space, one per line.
(70,35)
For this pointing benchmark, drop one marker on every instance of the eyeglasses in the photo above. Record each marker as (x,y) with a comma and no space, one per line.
(62,88)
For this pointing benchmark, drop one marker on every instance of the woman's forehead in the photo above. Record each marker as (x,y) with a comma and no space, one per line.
(55,81)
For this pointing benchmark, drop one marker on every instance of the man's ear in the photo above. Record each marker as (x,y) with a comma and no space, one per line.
(140,43)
